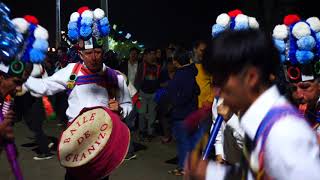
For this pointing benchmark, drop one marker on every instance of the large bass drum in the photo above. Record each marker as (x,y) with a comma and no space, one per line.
(94,144)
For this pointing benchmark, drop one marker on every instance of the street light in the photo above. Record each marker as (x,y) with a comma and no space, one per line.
(104,7)
(58,24)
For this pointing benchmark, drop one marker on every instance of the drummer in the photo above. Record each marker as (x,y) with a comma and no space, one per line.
(90,83)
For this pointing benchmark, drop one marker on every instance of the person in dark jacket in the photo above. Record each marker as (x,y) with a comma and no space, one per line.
(183,92)
(147,83)
(130,67)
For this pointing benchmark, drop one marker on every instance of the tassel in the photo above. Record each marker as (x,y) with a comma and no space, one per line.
(136,101)
(10,148)
(50,114)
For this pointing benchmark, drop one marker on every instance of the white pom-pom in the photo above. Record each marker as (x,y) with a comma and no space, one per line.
(223,19)
(300,30)
(280,32)
(241,18)
(98,14)
(21,24)
(314,23)
(74,17)
(87,13)
(41,33)
(253,23)
(36,71)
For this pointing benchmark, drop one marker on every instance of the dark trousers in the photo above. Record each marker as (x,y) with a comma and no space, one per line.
(61,105)
(163,108)
(32,111)
(182,140)
(130,122)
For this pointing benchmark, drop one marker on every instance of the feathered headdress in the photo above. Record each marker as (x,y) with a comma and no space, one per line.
(89,26)
(298,42)
(234,20)
(36,39)
(23,41)
(11,41)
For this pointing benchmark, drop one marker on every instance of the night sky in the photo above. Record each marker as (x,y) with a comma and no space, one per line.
(155,23)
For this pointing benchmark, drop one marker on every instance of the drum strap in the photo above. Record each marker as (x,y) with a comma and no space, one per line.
(273,116)
(107,80)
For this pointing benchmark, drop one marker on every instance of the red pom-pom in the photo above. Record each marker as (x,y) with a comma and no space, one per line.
(83,8)
(31,19)
(234,13)
(291,19)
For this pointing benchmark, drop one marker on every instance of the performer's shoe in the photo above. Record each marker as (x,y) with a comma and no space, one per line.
(130,157)
(166,140)
(45,156)
(177,172)
(50,145)
(60,124)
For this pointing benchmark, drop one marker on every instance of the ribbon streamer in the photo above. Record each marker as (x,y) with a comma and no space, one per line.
(10,147)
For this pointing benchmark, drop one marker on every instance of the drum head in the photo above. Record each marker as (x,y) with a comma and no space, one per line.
(85,138)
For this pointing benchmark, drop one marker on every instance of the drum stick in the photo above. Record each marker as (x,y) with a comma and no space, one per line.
(213,135)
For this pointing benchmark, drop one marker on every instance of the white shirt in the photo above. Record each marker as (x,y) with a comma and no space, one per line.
(38,71)
(291,150)
(132,71)
(234,125)
(81,96)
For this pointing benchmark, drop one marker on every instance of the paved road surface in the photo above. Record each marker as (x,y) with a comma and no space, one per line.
(149,164)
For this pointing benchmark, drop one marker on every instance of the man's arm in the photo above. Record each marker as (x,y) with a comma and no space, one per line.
(219,139)
(124,98)
(50,85)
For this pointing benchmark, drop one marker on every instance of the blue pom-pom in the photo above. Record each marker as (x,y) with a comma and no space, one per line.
(85,31)
(292,48)
(232,23)
(216,29)
(26,55)
(104,21)
(73,34)
(10,42)
(104,30)
(280,45)
(86,21)
(318,36)
(72,25)
(306,43)
(282,58)
(241,26)
(304,57)
(36,56)
(41,45)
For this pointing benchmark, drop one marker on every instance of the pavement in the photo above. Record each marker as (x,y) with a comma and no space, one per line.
(149,165)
